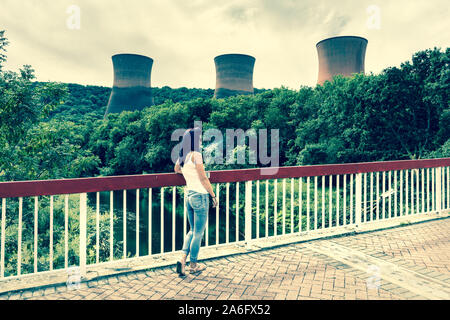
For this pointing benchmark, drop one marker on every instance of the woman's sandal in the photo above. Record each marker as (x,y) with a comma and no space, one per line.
(180,268)
(199,267)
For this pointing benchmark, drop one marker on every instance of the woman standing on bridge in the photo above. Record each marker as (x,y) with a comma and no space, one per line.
(190,164)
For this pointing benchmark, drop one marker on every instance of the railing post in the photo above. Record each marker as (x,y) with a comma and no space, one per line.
(248,213)
(358,199)
(3,237)
(83,214)
(438,189)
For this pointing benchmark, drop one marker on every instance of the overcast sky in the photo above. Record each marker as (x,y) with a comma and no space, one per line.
(184,36)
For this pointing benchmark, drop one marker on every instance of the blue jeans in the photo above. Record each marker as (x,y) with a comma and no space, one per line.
(197,211)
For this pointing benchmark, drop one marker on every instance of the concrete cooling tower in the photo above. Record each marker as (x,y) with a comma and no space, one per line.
(234,75)
(131,88)
(340,56)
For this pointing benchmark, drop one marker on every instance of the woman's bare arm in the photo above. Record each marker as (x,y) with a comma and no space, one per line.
(177,167)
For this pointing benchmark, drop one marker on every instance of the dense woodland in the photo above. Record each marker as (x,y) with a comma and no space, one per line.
(56,130)
(89,102)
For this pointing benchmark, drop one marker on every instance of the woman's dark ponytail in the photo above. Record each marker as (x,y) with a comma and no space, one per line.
(190,142)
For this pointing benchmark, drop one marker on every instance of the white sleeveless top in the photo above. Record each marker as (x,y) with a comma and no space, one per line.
(190,174)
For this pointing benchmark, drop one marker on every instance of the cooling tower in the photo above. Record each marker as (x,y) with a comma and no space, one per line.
(234,75)
(131,88)
(340,56)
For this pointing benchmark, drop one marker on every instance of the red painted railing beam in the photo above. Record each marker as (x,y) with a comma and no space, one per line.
(82,185)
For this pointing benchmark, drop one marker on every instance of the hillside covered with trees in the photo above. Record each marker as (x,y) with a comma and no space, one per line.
(89,102)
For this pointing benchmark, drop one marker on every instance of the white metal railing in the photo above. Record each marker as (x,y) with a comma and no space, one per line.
(247,211)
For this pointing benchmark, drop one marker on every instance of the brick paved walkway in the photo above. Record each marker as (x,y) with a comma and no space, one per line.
(409,262)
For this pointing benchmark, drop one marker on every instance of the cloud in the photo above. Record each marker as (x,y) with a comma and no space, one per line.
(183,37)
